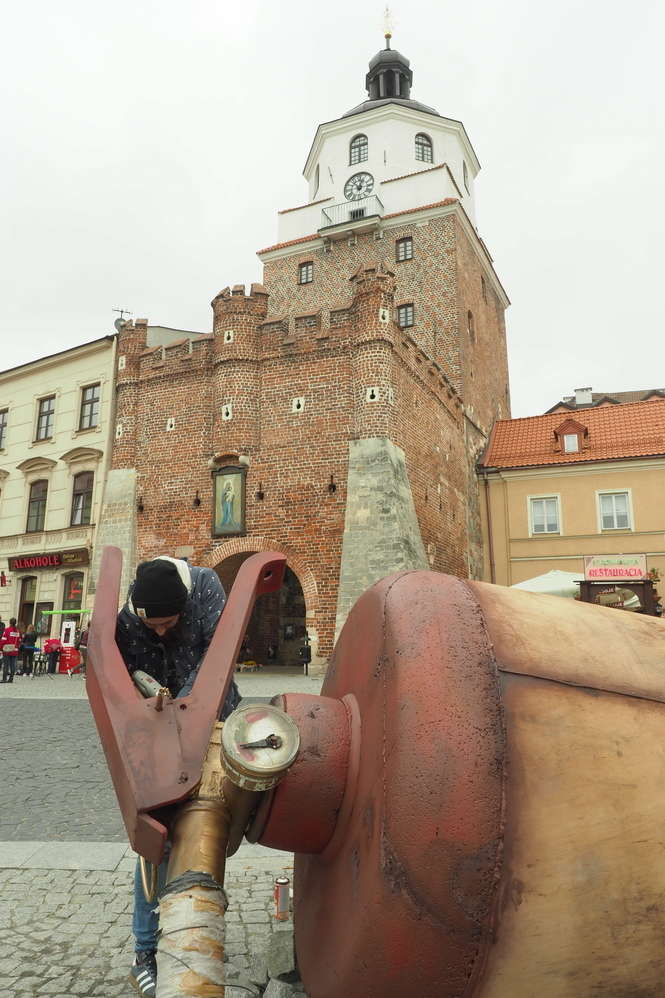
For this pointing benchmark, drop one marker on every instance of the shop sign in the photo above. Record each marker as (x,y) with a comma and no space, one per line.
(52,559)
(598,567)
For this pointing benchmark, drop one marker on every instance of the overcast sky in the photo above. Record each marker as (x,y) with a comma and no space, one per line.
(148,144)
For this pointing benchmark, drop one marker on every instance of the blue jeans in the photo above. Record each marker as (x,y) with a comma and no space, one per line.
(8,667)
(145,920)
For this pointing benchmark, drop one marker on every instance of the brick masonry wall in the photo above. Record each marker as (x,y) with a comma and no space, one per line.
(331,345)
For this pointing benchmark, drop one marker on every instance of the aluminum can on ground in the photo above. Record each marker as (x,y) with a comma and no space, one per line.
(282,892)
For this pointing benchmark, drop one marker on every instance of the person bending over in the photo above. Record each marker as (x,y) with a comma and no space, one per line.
(165,628)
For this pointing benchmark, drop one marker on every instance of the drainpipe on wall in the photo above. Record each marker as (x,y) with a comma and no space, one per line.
(488,510)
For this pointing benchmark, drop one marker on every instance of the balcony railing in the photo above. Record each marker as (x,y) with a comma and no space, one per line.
(351,211)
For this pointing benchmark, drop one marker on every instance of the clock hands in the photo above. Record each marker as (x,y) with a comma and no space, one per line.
(270,741)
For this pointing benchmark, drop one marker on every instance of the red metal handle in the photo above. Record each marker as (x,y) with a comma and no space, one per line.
(155,757)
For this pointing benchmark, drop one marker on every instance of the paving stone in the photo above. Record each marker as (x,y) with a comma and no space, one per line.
(281,955)
(278,989)
(71,928)
(258,968)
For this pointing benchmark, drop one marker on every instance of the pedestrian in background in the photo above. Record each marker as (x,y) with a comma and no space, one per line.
(52,647)
(11,640)
(82,646)
(28,649)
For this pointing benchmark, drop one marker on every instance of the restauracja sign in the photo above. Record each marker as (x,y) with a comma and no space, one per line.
(598,567)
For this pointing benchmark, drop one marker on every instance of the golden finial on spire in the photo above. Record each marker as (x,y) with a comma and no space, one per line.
(388,25)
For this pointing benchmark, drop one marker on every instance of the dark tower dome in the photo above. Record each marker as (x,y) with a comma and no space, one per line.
(389,82)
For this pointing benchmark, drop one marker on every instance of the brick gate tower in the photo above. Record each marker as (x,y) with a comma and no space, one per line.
(336,411)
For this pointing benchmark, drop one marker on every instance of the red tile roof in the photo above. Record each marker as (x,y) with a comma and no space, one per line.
(289,242)
(299,207)
(614,432)
(416,173)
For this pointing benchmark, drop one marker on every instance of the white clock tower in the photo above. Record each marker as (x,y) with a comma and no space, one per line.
(389,154)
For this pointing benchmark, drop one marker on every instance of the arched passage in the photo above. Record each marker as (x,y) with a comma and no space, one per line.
(277,629)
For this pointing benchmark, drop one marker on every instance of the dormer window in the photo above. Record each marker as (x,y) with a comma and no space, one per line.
(424,148)
(571,437)
(358,150)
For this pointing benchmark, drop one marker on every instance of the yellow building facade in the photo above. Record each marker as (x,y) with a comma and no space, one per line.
(555,489)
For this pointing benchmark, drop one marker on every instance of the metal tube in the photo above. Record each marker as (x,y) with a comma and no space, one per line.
(148,686)
(190,954)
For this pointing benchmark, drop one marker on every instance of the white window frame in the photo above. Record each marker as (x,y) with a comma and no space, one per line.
(572,450)
(613,492)
(361,147)
(421,147)
(406,244)
(403,313)
(545,533)
(38,406)
(306,270)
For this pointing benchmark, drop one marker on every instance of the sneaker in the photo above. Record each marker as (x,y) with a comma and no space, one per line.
(143,974)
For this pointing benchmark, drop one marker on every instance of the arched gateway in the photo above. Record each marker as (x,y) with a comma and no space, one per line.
(282,622)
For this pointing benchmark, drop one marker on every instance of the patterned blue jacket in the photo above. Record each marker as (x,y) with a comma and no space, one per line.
(175,658)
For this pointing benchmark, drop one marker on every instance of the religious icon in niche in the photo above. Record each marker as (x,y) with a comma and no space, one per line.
(229,502)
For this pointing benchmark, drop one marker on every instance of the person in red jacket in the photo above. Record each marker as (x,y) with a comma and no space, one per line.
(52,648)
(10,641)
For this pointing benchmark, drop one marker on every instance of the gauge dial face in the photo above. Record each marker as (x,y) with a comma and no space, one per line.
(259,741)
(360,185)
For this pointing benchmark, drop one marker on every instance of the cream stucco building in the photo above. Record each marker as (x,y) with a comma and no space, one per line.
(56,417)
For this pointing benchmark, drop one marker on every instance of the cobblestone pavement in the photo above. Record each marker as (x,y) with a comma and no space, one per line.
(66,872)
(67,932)
(55,781)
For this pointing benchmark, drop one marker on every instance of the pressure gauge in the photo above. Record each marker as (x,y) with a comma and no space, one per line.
(259,743)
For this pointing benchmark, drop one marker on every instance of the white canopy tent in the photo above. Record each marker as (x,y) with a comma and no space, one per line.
(553,583)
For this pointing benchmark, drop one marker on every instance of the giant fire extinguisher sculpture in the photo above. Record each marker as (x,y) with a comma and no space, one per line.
(475,800)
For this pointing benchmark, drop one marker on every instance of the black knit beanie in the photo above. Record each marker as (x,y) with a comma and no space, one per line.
(158,591)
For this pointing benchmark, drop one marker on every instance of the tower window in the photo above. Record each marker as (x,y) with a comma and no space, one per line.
(405,316)
(316,180)
(306,272)
(3,426)
(404,249)
(465,172)
(358,150)
(483,287)
(424,148)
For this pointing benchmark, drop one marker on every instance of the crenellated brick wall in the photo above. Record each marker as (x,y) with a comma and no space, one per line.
(290,379)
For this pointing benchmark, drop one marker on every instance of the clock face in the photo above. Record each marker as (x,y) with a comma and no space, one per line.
(360,185)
